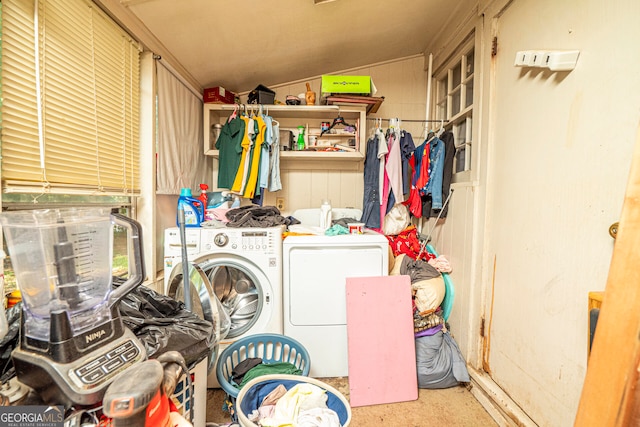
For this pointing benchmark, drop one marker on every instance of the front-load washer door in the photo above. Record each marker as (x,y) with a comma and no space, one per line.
(203,302)
(243,290)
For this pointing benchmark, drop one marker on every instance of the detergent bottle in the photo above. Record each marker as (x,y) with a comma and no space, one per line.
(325,214)
(193,209)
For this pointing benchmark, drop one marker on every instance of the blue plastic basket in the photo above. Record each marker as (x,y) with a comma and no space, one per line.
(252,394)
(271,348)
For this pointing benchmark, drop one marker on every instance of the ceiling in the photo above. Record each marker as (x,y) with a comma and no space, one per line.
(238,44)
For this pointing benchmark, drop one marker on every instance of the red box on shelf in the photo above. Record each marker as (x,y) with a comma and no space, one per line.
(218,95)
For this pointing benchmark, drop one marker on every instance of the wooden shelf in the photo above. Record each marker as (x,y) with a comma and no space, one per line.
(372,103)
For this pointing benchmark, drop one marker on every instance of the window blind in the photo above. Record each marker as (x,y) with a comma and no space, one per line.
(87,71)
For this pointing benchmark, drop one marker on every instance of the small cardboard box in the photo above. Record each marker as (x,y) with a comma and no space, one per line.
(361,85)
(218,95)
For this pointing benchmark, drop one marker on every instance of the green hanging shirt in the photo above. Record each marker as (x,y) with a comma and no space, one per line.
(229,144)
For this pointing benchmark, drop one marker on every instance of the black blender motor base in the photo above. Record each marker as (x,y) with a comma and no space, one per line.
(65,373)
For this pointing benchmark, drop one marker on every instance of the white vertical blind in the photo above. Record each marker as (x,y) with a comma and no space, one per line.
(89,82)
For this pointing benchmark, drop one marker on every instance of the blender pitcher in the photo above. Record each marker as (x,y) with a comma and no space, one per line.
(72,339)
(63,262)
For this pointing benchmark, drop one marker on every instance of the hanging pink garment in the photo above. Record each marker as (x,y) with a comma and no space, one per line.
(394,168)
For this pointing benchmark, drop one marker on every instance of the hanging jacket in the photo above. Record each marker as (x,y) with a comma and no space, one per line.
(447,174)
(371,197)
(436,169)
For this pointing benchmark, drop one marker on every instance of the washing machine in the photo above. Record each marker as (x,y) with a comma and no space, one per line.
(173,249)
(242,268)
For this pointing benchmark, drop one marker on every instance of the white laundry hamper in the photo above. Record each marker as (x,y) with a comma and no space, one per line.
(252,394)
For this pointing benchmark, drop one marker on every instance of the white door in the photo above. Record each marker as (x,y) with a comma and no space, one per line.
(560,149)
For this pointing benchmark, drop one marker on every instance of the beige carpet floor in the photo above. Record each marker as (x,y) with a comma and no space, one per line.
(451,407)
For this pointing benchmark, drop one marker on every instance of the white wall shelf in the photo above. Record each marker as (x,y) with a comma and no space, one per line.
(292,116)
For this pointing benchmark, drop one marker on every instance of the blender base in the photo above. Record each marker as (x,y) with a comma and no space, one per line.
(83,381)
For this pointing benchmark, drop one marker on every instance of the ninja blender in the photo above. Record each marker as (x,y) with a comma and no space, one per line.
(72,340)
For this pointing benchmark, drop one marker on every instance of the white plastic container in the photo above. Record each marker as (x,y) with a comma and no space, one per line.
(325,214)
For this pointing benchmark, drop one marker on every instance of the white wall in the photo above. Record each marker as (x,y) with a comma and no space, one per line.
(555,150)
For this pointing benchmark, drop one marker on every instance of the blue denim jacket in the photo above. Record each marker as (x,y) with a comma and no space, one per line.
(436,171)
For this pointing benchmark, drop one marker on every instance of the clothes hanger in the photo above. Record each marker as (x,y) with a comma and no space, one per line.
(394,126)
(337,121)
(235,112)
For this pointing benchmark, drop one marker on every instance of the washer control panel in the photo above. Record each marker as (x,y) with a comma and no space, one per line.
(255,241)
(221,240)
(259,240)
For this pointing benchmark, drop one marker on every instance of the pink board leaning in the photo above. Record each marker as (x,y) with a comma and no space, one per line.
(381,345)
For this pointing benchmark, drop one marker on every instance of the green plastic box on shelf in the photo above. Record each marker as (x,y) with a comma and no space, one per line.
(346,84)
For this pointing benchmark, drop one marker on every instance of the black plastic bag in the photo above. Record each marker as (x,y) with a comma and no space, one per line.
(163,324)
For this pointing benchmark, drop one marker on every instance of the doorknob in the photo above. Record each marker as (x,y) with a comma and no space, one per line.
(613,229)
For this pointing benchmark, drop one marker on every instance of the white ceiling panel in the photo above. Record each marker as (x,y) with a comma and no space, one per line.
(240,44)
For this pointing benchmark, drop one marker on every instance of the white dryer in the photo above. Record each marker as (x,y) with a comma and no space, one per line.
(315,270)
(244,271)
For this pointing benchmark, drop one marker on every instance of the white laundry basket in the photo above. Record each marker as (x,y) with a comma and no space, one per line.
(255,390)
(185,400)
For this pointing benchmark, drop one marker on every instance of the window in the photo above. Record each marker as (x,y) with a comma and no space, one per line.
(454,102)
(70,100)
(69,111)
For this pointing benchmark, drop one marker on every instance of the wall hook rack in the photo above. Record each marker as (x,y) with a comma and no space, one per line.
(554,60)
